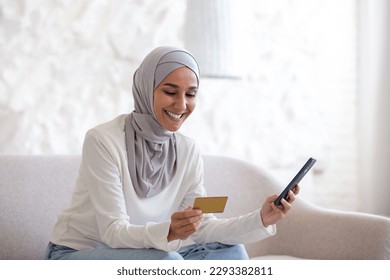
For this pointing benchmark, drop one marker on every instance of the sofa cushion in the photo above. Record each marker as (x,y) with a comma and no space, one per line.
(33,191)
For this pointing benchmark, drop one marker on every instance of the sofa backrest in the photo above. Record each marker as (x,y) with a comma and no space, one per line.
(245,184)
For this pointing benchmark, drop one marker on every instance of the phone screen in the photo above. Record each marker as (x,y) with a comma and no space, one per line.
(295,180)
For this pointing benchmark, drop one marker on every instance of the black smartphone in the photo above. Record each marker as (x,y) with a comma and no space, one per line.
(295,180)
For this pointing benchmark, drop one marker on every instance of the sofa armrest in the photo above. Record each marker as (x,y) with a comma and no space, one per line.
(315,233)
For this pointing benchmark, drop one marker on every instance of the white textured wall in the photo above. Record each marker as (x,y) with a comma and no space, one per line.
(67,65)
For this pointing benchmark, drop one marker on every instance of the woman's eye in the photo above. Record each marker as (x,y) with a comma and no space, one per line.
(191,94)
(169,92)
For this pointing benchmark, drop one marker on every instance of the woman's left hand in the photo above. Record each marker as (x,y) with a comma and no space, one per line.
(271,214)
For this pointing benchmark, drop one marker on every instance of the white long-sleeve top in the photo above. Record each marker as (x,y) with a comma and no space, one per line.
(105,207)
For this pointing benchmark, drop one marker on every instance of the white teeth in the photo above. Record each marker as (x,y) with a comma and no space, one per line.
(174,115)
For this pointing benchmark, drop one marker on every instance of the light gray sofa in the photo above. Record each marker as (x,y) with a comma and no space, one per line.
(33,190)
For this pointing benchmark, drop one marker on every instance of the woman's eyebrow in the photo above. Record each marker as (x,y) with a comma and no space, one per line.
(176,86)
(171,85)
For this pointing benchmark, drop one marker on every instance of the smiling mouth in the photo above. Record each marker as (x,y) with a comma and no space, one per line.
(175,116)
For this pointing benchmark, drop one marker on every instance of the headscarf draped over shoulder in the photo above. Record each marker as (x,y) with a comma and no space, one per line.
(151,149)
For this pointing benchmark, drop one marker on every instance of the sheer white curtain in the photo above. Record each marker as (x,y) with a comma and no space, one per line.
(374,106)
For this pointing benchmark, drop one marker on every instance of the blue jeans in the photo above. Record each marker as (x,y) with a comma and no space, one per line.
(208,251)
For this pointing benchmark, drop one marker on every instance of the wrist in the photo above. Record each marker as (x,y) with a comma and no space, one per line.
(262,219)
(170,237)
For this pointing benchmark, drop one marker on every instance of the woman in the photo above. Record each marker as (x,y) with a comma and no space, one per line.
(138,179)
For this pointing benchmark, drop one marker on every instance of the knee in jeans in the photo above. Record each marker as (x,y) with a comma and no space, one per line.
(172,256)
(241,253)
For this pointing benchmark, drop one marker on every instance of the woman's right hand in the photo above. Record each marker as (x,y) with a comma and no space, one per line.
(184,223)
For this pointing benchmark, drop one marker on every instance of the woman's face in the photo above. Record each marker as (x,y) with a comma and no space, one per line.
(175,98)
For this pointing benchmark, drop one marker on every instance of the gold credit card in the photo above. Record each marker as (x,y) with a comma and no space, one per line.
(211,204)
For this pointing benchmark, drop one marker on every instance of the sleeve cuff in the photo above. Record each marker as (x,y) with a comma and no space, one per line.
(270,230)
(158,234)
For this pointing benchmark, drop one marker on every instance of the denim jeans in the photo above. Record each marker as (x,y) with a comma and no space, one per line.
(208,251)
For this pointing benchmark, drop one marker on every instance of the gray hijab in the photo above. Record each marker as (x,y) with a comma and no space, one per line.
(151,149)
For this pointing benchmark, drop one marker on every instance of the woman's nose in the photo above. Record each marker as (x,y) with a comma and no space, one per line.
(180,102)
